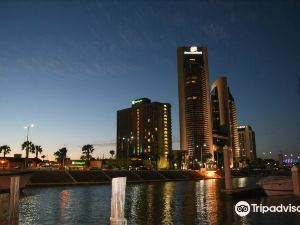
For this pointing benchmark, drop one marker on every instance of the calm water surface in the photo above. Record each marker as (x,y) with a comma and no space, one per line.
(167,203)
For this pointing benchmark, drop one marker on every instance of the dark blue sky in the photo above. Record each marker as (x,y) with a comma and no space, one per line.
(68,66)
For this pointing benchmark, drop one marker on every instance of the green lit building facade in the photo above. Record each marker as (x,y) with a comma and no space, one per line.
(144,131)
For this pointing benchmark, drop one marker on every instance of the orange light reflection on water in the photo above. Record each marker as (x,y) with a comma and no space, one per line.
(64,197)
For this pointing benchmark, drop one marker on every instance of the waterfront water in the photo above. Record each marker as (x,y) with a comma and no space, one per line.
(160,203)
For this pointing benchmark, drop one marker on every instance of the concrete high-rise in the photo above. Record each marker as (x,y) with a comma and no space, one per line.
(247,143)
(194,102)
(144,131)
(224,119)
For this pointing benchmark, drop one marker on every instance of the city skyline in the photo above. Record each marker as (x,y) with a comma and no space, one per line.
(68,68)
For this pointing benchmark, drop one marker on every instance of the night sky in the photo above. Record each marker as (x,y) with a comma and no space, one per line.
(68,66)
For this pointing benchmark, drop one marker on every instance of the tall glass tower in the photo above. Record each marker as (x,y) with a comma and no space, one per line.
(194,102)
(224,119)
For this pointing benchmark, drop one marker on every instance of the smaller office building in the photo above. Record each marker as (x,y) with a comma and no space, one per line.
(247,144)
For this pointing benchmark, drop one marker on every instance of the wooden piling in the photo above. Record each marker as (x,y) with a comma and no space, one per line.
(296,181)
(13,213)
(228,180)
(118,201)
(4,205)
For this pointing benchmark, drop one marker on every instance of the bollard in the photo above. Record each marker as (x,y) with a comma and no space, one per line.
(296,181)
(13,213)
(118,201)
(228,181)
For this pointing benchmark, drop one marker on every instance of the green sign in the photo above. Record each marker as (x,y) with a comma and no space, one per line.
(78,163)
(136,101)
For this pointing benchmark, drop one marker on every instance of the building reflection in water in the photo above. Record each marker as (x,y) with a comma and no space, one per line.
(168,209)
(206,202)
(240,182)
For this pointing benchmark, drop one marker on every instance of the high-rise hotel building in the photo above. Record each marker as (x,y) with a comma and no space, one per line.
(224,116)
(194,102)
(247,143)
(144,131)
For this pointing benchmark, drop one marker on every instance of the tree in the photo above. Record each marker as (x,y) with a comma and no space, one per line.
(112,152)
(87,151)
(43,157)
(5,149)
(61,155)
(29,147)
(38,149)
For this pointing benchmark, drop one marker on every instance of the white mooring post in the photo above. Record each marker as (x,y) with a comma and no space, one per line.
(13,214)
(118,201)
(296,181)
(228,181)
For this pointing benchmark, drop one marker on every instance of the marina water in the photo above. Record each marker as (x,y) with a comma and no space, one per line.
(157,203)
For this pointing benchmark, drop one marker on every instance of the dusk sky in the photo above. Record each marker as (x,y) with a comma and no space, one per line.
(68,66)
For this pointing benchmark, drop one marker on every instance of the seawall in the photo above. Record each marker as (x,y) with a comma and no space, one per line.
(61,177)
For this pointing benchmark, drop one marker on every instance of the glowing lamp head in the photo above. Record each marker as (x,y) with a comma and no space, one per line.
(193,49)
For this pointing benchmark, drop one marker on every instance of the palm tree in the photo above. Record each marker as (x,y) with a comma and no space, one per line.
(30,148)
(38,149)
(112,152)
(61,155)
(87,151)
(43,157)
(5,149)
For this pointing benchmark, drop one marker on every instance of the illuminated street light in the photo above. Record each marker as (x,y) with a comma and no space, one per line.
(27,146)
(204,145)
(2,162)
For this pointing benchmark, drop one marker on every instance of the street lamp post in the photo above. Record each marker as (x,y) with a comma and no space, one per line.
(128,141)
(204,145)
(128,156)
(27,145)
